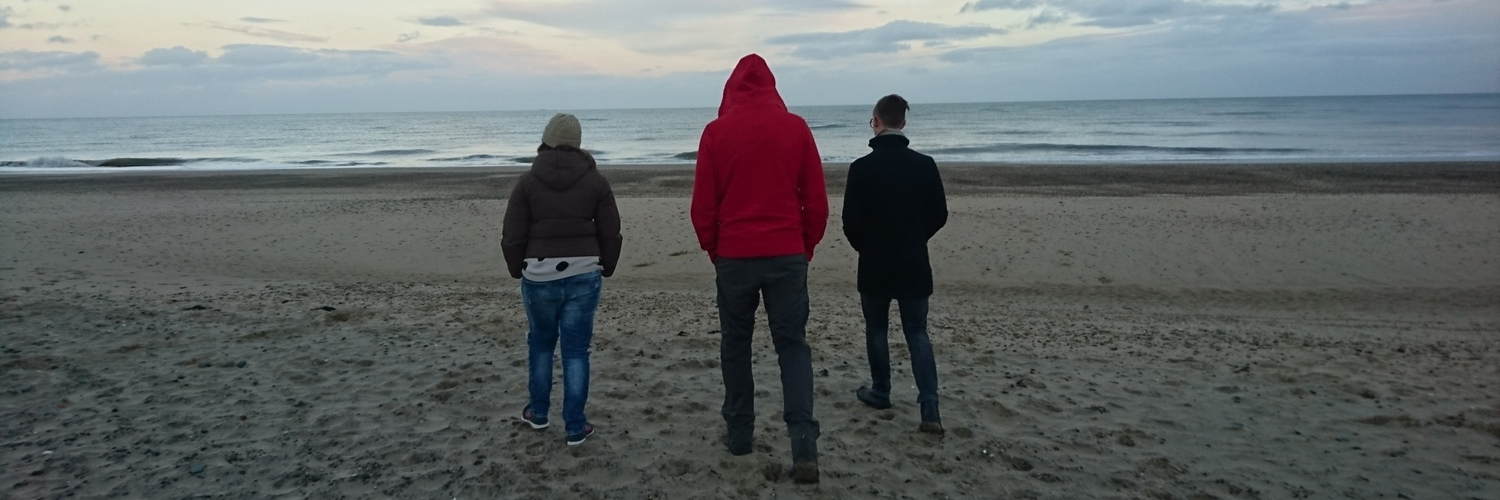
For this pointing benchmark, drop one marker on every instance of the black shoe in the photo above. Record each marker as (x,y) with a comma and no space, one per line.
(932,423)
(804,439)
(804,472)
(869,398)
(739,443)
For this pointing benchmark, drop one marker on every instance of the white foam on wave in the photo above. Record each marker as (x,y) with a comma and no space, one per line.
(56,162)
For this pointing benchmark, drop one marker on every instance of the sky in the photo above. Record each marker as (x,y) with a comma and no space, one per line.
(99,58)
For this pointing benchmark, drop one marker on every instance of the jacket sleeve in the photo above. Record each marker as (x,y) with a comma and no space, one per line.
(515,234)
(854,208)
(814,196)
(607,223)
(937,203)
(706,198)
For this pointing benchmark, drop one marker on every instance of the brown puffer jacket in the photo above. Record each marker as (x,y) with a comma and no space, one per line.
(563,207)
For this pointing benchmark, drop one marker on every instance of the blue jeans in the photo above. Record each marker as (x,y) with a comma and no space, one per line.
(914,325)
(561,309)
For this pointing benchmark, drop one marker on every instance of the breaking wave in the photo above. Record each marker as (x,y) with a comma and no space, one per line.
(1106,149)
(392,152)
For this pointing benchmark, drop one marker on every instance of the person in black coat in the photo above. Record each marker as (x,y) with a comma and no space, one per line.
(893,204)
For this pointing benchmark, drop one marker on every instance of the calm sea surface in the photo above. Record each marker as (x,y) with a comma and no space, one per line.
(1360,128)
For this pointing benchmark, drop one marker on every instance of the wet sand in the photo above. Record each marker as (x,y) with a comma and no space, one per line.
(1167,331)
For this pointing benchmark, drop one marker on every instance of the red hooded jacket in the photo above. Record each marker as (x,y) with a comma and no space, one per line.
(758,189)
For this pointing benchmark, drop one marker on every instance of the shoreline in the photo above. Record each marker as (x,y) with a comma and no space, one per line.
(961,178)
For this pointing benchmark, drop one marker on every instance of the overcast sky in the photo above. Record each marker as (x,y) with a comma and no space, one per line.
(81,58)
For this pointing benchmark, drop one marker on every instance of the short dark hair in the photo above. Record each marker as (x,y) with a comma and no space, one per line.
(891,110)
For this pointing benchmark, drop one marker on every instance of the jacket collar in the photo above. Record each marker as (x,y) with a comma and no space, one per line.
(889,141)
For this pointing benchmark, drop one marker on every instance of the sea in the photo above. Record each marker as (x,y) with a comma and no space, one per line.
(1448,127)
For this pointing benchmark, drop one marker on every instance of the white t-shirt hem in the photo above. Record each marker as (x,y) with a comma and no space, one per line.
(555,268)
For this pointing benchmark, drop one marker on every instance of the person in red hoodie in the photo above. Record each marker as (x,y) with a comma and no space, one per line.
(760,208)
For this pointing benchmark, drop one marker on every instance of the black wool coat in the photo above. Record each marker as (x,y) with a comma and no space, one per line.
(894,203)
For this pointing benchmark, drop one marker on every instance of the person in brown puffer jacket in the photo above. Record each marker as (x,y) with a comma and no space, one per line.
(561,238)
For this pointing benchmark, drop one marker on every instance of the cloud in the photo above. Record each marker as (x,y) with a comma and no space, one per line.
(293,63)
(197,91)
(25,60)
(42,26)
(453,74)
(6,13)
(268,63)
(1411,47)
(407,37)
(272,63)
(278,35)
(440,21)
(1391,47)
(495,54)
(1047,17)
(261,20)
(60,39)
(264,55)
(997,5)
(178,56)
(65,8)
(615,16)
(894,36)
(1120,13)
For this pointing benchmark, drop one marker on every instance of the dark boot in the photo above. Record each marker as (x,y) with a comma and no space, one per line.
(932,423)
(804,473)
(805,454)
(870,399)
(740,441)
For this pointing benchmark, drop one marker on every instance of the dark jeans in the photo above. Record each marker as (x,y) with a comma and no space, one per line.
(914,324)
(561,310)
(782,281)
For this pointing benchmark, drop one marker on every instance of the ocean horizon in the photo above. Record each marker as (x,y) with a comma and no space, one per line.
(1434,127)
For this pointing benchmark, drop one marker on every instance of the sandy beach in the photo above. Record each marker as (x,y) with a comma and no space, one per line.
(1148,331)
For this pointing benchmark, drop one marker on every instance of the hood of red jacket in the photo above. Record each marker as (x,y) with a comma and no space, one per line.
(751,86)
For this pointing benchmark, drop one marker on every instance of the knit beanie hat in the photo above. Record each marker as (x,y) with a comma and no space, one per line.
(563,130)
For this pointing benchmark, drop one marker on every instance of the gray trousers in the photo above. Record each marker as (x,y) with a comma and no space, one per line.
(782,282)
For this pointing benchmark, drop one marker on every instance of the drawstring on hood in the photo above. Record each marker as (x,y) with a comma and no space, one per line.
(751,86)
